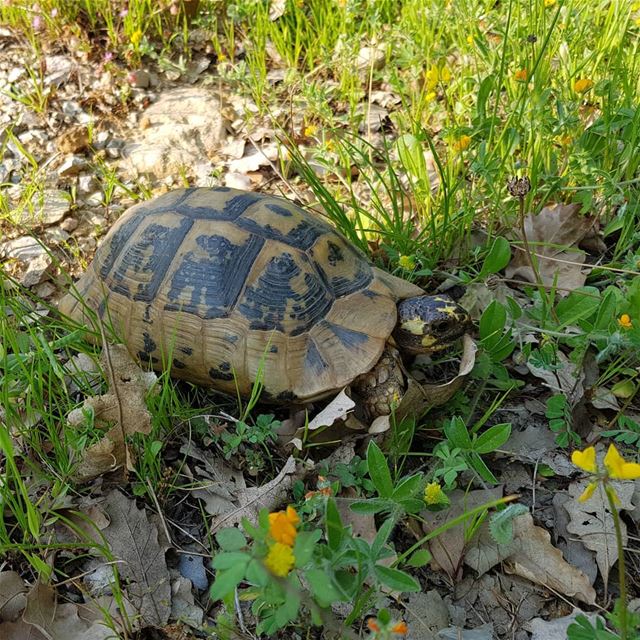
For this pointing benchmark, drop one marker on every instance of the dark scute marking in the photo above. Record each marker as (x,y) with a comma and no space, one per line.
(369,293)
(207,283)
(343,286)
(223,189)
(116,245)
(224,366)
(266,302)
(102,307)
(143,356)
(146,317)
(186,350)
(231,337)
(286,396)
(280,210)
(237,205)
(313,360)
(348,337)
(178,364)
(303,236)
(149,343)
(334,255)
(150,255)
(273,349)
(214,374)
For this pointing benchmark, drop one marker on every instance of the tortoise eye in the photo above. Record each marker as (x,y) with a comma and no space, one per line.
(441,327)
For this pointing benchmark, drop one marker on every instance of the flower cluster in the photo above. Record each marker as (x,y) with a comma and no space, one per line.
(283,532)
(615,468)
(381,630)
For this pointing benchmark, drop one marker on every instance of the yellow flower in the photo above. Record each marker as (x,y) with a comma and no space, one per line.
(310,130)
(431,96)
(280,559)
(520,75)
(618,468)
(549,3)
(637,22)
(470,39)
(582,85)
(407,262)
(586,459)
(282,526)
(625,321)
(588,492)
(436,74)
(565,140)
(136,37)
(635,6)
(462,143)
(433,493)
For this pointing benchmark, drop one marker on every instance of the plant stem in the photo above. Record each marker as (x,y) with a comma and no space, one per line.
(621,564)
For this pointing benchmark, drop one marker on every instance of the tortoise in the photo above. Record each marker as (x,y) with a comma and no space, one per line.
(225,287)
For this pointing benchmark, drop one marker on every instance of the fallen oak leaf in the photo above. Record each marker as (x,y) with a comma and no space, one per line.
(531,555)
(251,500)
(554,235)
(124,404)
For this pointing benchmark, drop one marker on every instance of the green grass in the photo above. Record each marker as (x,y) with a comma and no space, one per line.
(481,92)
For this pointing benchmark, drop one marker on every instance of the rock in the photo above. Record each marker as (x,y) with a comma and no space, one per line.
(56,235)
(101,138)
(94,200)
(71,166)
(237,181)
(46,208)
(23,249)
(58,69)
(183,128)
(73,140)
(70,224)
(36,270)
(139,78)
(28,251)
(86,183)
(112,152)
(34,136)
(368,56)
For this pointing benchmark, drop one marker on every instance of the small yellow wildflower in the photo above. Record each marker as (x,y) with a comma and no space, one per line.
(586,459)
(625,321)
(435,74)
(222,56)
(136,37)
(282,526)
(588,492)
(582,85)
(549,3)
(565,140)
(280,559)
(521,75)
(635,6)
(618,468)
(407,262)
(310,130)
(462,143)
(470,39)
(637,22)
(433,493)
(431,96)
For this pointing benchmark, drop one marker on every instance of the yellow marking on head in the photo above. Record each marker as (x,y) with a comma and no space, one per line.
(428,341)
(413,325)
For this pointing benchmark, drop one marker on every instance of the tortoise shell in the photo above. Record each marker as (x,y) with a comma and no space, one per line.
(222,283)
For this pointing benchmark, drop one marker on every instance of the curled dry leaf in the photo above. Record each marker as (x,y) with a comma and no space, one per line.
(591,521)
(554,235)
(124,404)
(45,619)
(250,501)
(12,595)
(531,555)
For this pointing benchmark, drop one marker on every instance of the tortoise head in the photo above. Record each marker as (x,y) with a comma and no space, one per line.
(429,323)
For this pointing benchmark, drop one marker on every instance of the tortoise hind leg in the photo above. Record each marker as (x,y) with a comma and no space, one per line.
(381,389)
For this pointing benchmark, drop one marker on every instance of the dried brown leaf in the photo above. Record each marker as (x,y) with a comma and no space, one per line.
(591,521)
(249,501)
(12,595)
(123,408)
(133,540)
(554,235)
